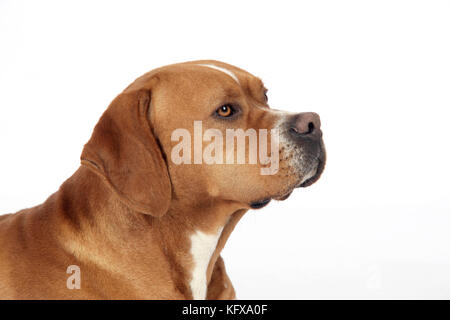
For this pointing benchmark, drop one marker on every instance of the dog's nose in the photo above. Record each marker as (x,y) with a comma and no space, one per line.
(307,124)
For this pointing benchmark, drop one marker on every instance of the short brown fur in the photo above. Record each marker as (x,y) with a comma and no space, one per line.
(125,216)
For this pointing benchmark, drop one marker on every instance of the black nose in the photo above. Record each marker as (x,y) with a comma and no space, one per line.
(306,124)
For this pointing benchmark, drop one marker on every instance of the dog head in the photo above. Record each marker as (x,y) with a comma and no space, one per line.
(174,134)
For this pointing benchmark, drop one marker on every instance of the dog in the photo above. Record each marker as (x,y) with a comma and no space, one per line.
(132,224)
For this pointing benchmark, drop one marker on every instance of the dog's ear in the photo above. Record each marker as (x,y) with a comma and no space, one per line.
(124,151)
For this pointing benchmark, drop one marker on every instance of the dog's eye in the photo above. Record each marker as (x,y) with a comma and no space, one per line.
(226,111)
(266,98)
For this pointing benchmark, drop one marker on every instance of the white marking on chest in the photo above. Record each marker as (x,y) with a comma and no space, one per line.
(202,248)
(226,71)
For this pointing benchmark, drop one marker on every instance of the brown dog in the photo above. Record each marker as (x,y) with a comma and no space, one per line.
(132,224)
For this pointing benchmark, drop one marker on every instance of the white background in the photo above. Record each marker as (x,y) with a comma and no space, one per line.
(376,225)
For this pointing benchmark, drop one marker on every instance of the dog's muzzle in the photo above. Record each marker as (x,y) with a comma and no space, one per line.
(304,131)
(303,151)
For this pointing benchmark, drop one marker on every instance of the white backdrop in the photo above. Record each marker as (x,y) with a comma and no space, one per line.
(377,225)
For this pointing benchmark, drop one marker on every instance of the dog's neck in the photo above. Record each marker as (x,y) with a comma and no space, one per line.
(195,234)
(183,245)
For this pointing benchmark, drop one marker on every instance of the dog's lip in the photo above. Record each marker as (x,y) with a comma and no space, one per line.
(316,176)
(260,203)
(264,202)
(320,167)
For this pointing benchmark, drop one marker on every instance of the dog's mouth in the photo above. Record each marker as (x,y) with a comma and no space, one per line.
(260,203)
(264,202)
(315,175)
(308,180)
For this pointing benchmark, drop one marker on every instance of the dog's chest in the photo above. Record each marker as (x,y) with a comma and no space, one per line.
(202,248)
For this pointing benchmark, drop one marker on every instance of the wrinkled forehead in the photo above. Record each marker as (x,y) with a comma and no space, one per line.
(201,74)
(214,75)
(224,70)
(240,76)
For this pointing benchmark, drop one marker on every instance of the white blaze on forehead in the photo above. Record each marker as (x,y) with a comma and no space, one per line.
(226,71)
(202,248)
